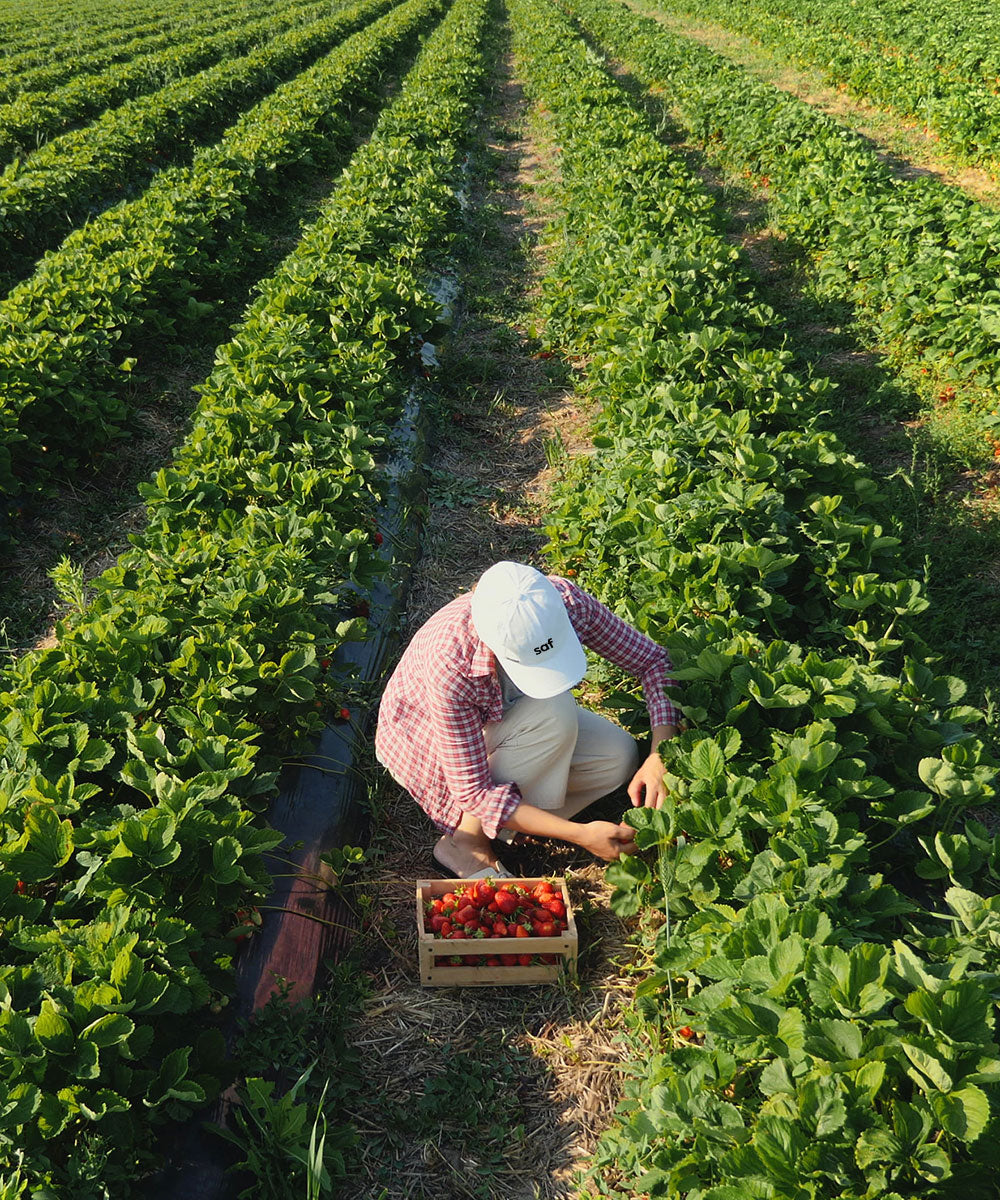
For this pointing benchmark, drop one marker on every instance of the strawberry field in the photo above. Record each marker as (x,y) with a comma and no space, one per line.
(271,197)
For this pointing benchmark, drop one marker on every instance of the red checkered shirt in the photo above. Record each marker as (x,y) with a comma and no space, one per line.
(446,688)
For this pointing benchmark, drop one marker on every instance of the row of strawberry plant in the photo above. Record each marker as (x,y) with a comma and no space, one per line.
(43,198)
(49,26)
(964,112)
(43,70)
(916,257)
(136,752)
(838,1042)
(34,117)
(962,40)
(128,278)
(59,49)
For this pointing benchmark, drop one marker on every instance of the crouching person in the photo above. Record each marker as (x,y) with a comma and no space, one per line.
(478,722)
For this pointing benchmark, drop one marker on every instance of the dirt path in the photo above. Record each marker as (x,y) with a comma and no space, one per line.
(906,146)
(500,1092)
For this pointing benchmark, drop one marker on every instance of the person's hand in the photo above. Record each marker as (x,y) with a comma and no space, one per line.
(647,789)
(607,840)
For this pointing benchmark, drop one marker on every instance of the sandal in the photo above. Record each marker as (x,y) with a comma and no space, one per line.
(497,872)
(507,837)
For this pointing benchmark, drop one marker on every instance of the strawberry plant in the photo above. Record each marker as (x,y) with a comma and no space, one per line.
(919,63)
(44,197)
(42,108)
(137,754)
(809,902)
(913,255)
(131,276)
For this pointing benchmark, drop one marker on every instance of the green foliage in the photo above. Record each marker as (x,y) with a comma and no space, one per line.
(932,63)
(133,273)
(279,1137)
(44,197)
(75,87)
(843,1037)
(914,256)
(137,753)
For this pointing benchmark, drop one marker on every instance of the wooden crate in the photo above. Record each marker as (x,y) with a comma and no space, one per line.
(431,949)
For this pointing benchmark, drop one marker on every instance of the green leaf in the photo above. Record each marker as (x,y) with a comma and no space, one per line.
(822,1105)
(964,1113)
(779,1145)
(870,1078)
(943,778)
(775,1078)
(226,854)
(792,1030)
(52,1029)
(929,1066)
(95,755)
(707,760)
(878,1145)
(47,835)
(959,1010)
(95,1106)
(172,1082)
(834,1040)
(110,1030)
(932,1163)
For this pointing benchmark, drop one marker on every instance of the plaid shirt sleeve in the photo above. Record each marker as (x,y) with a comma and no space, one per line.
(456,727)
(600,630)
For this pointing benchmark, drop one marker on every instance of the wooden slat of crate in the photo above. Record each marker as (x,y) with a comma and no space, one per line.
(430,948)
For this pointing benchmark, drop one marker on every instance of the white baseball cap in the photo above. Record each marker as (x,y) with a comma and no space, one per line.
(521,616)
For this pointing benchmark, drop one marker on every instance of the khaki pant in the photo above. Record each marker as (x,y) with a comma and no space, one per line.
(562,757)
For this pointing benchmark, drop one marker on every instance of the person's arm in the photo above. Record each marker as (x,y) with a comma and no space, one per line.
(647,789)
(605,839)
(620,643)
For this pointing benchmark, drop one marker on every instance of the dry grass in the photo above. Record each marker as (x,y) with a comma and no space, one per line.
(552,1054)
